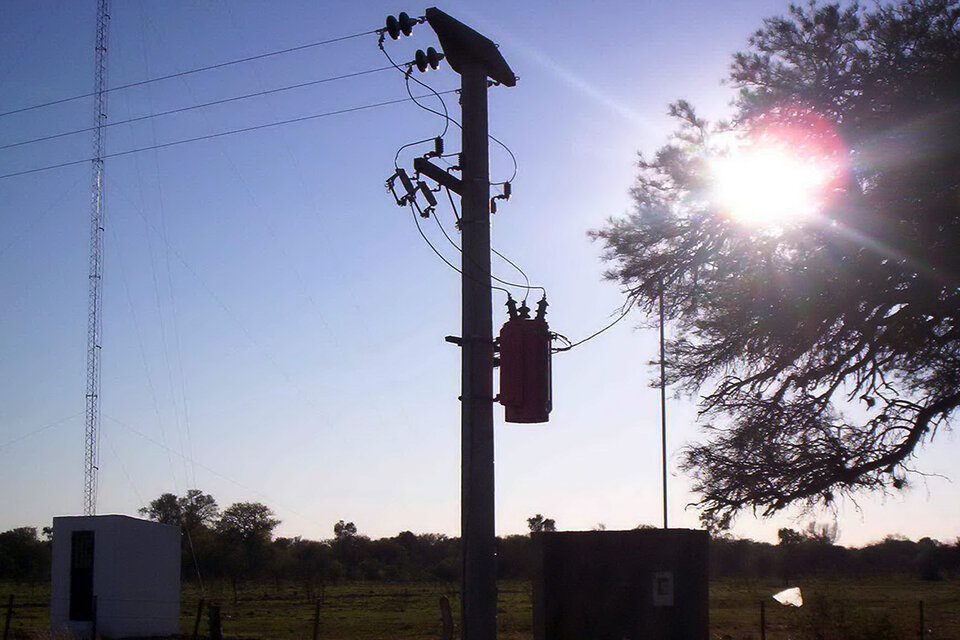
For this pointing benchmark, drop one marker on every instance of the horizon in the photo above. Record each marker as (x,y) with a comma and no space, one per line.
(273,325)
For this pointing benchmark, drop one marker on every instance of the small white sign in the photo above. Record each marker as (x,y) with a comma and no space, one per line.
(790,597)
(663,589)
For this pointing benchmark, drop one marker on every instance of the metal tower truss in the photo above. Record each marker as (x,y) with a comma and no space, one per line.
(91,444)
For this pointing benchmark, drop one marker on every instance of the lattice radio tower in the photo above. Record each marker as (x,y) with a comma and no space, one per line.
(91,445)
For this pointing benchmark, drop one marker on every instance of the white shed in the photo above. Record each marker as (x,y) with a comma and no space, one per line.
(123,571)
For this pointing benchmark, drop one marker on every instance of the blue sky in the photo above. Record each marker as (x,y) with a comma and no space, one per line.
(273,324)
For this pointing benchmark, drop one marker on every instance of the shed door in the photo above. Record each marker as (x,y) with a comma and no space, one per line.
(81,575)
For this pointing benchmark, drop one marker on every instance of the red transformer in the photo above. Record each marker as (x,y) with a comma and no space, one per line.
(525,383)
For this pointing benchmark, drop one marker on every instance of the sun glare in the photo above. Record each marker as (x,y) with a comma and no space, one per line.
(783,173)
(768,186)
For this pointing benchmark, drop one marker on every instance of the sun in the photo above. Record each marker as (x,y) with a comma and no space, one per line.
(768,186)
(783,173)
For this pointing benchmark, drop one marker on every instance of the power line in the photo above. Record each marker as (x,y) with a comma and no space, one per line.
(440,255)
(526,280)
(214,135)
(445,115)
(203,466)
(408,75)
(571,345)
(180,74)
(29,434)
(198,106)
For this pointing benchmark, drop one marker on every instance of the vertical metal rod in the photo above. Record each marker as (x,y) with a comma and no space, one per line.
(663,409)
(477,491)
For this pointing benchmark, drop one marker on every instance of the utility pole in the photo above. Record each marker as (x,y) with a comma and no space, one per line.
(478,535)
(663,409)
(476,59)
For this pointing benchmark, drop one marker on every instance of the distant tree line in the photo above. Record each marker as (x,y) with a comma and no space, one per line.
(237,545)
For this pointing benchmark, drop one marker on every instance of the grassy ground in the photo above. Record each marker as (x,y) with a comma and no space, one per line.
(875,609)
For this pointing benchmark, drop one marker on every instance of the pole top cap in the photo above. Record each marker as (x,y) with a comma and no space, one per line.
(464,46)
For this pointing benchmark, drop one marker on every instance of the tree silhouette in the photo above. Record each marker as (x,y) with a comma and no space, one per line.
(198,509)
(247,522)
(343,530)
(538,523)
(827,351)
(165,509)
(192,511)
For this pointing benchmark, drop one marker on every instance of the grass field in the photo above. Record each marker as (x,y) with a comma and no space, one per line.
(875,609)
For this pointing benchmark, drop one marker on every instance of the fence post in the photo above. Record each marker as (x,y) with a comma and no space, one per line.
(922,624)
(446,619)
(316,620)
(763,620)
(6,625)
(213,620)
(196,622)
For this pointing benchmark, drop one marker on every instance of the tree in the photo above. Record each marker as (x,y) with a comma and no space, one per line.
(248,522)
(538,523)
(245,530)
(192,511)
(342,530)
(198,509)
(23,556)
(166,509)
(824,352)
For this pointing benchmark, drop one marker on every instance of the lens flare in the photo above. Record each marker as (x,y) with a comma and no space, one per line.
(783,172)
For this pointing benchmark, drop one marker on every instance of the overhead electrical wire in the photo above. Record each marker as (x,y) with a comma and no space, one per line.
(440,255)
(220,134)
(492,277)
(198,106)
(445,115)
(526,280)
(29,434)
(180,74)
(571,345)
(408,75)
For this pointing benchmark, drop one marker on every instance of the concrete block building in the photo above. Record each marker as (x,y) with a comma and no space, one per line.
(121,572)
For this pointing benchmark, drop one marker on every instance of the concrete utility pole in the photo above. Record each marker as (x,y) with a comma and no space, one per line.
(477,525)
(476,59)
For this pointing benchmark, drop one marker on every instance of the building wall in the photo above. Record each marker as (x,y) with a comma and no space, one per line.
(136,576)
(621,585)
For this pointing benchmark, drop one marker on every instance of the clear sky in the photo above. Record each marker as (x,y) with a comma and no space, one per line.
(273,324)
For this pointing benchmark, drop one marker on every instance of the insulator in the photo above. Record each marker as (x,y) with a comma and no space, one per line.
(406,23)
(493,205)
(425,190)
(407,185)
(507,190)
(420,59)
(438,145)
(433,58)
(393,27)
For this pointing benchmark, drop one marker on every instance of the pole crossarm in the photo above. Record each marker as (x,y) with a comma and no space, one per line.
(438,175)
